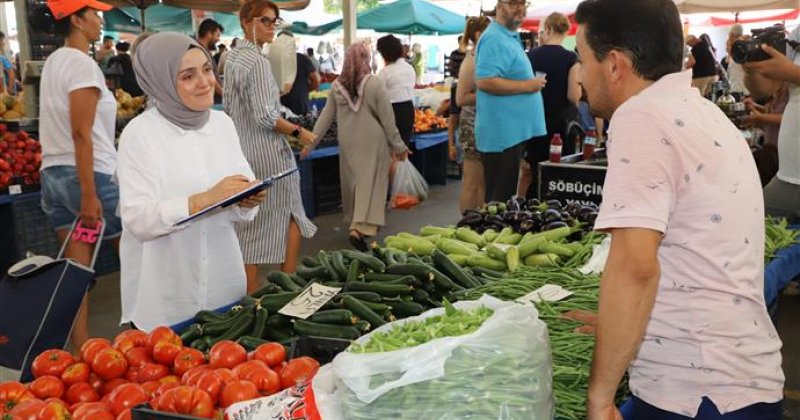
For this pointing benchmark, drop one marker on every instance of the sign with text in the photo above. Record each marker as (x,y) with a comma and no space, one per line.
(571,182)
(309,301)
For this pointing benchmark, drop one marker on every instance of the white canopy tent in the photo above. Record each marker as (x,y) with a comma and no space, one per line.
(712,6)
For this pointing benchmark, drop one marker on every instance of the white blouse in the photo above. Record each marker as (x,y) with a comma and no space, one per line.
(400,79)
(168,273)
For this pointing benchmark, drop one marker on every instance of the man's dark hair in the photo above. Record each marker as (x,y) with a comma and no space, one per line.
(108,38)
(123,46)
(390,48)
(648,31)
(207,26)
(310,51)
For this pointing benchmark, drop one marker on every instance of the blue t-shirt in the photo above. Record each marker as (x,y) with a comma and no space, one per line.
(504,121)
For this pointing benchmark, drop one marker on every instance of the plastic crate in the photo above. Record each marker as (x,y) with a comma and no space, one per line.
(453,170)
(32,230)
(431,162)
(307,186)
(107,260)
(145,412)
(320,348)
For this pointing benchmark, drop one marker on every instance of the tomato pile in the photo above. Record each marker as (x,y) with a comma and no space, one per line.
(111,377)
(20,157)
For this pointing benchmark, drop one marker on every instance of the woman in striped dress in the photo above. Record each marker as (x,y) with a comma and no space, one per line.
(252,100)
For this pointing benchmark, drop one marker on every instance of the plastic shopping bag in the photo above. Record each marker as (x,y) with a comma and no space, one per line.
(295,403)
(501,371)
(409,187)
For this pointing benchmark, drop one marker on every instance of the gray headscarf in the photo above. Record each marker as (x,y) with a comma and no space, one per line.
(156,62)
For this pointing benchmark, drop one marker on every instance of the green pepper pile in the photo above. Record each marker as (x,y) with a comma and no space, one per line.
(778,236)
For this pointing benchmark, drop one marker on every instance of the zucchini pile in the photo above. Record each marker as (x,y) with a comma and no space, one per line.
(503,251)
(377,287)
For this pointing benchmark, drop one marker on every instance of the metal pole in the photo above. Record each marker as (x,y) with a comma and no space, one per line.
(141,20)
(350,19)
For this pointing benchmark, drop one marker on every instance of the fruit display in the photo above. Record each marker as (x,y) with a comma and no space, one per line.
(319,94)
(109,378)
(525,216)
(20,158)
(127,105)
(426,120)
(12,107)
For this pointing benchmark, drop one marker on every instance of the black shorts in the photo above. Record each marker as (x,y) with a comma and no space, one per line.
(404,119)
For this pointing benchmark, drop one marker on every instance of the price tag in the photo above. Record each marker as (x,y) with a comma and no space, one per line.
(14,189)
(548,292)
(309,301)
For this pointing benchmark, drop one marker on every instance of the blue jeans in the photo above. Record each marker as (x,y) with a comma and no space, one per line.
(708,411)
(61,198)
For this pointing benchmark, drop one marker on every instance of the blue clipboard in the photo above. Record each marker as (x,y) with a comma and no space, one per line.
(255,189)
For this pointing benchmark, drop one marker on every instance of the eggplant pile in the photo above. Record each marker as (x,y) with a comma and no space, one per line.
(532,215)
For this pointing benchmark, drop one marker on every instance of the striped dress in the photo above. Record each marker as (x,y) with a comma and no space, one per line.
(252,100)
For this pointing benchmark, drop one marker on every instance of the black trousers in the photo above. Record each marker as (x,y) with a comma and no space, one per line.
(404,119)
(538,148)
(501,172)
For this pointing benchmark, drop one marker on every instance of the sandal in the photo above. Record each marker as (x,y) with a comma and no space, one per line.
(357,241)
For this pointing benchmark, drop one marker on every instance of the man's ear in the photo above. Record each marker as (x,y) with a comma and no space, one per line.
(619,65)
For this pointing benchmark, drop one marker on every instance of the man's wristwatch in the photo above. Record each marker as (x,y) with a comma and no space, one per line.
(296,132)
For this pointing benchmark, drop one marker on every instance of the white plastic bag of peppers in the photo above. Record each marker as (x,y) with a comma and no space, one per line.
(502,370)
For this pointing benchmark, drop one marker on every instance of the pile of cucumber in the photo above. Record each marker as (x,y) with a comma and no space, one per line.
(503,251)
(377,287)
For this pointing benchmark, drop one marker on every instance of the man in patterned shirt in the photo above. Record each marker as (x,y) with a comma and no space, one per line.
(682,295)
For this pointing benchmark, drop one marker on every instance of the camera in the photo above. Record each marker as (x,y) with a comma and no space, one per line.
(745,50)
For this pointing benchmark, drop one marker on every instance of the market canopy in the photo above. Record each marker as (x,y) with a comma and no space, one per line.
(713,6)
(407,17)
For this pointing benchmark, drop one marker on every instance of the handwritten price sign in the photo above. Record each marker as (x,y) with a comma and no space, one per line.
(309,301)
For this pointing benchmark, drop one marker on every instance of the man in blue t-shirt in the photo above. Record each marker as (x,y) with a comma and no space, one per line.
(509,108)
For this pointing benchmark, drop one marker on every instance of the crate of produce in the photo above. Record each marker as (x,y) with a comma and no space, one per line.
(322,349)
(145,412)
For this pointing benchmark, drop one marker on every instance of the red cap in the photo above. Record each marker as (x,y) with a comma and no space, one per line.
(64,8)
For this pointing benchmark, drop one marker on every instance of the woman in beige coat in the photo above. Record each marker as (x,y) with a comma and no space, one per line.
(368,138)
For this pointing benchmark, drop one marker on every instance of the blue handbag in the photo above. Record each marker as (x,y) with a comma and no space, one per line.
(39,300)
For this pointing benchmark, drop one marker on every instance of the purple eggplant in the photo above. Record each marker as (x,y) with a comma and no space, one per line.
(554,225)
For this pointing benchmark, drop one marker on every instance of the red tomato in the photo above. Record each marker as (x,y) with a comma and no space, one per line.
(47,386)
(13,393)
(279,368)
(129,339)
(152,372)
(212,383)
(248,365)
(191,375)
(227,375)
(164,388)
(91,347)
(110,364)
(92,411)
(132,375)
(150,388)
(54,409)
(226,354)
(127,396)
(298,371)
(111,385)
(271,353)
(137,356)
(162,334)
(186,359)
(265,379)
(237,391)
(188,400)
(96,383)
(81,392)
(79,372)
(27,410)
(125,415)
(164,352)
(51,362)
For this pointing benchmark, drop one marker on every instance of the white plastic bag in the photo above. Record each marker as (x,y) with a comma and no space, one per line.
(501,371)
(597,262)
(408,184)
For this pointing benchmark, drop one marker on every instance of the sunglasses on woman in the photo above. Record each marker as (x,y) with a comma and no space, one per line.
(266,20)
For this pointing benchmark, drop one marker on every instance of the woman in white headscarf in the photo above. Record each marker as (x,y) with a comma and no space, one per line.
(176,159)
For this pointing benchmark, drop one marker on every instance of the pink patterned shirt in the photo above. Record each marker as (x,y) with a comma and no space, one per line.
(678,166)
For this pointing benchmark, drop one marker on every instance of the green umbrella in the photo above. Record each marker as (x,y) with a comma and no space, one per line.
(408,17)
